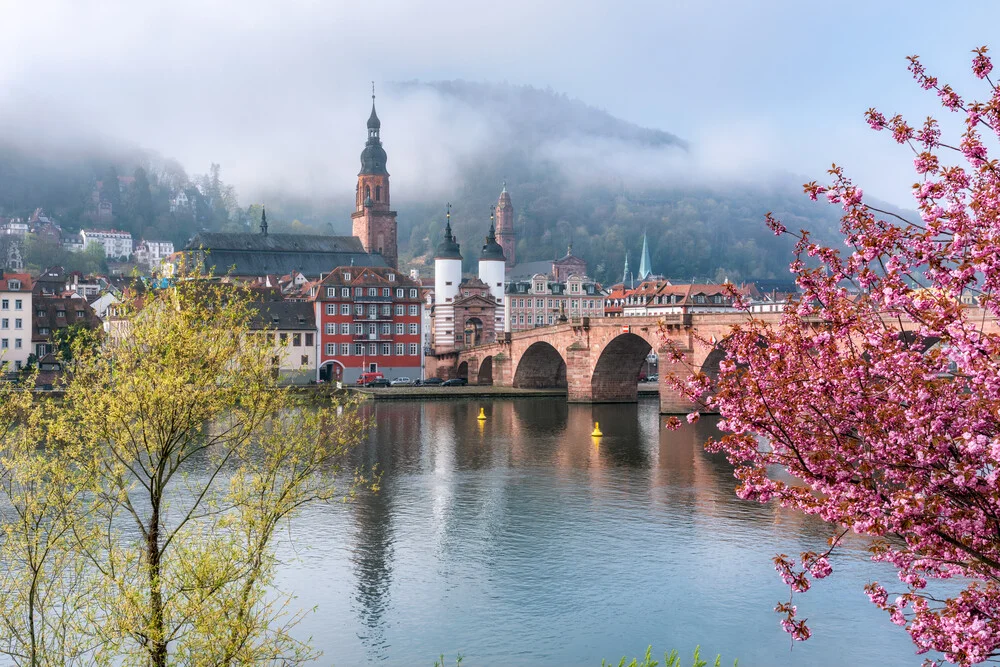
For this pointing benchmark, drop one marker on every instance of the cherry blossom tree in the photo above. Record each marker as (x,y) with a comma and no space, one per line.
(878,390)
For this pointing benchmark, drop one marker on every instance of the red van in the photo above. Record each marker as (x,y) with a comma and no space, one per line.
(367,377)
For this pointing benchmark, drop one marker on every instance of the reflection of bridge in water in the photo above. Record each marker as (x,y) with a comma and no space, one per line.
(598,360)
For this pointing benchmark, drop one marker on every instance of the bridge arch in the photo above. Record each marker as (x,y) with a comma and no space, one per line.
(616,373)
(485,371)
(463,370)
(540,367)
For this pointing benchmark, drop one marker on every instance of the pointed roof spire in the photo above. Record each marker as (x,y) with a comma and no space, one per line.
(504,186)
(645,264)
(263,221)
(449,248)
(373,122)
(625,274)
(491,249)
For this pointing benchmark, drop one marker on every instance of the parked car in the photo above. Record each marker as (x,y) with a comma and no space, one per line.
(455,382)
(368,376)
(378,382)
(653,378)
(401,382)
(432,382)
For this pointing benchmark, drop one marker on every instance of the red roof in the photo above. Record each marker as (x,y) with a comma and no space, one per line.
(24,278)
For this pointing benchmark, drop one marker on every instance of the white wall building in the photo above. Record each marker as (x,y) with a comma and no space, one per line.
(152,253)
(115,243)
(15,320)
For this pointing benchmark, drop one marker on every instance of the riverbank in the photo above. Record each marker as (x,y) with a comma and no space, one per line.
(431,393)
(438,392)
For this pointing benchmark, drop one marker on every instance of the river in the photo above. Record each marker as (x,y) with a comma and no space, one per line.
(519,541)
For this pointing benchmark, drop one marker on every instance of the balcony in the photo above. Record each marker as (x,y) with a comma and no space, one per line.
(373,337)
(373,318)
(372,299)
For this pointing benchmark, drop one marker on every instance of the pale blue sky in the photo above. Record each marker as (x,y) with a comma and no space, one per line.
(781,85)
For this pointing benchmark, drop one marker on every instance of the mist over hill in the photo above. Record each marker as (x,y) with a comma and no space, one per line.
(577,175)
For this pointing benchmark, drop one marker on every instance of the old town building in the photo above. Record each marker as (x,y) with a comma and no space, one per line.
(369,321)
(292,327)
(15,320)
(115,243)
(541,301)
(374,224)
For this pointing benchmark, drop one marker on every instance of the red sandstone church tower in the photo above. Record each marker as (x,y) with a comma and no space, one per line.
(505,226)
(373,222)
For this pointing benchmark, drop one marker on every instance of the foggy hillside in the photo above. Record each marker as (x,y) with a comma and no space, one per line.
(576,174)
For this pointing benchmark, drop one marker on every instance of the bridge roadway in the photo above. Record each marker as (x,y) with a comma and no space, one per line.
(598,360)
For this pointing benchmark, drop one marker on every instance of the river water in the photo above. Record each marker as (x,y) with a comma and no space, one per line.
(519,541)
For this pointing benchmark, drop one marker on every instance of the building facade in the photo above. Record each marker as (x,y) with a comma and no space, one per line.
(369,320)
(115,243)
(15,321)
(372,221)
(152,253)
(291,325)
(542,301)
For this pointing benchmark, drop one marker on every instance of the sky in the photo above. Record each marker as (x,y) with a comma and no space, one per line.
(278,92)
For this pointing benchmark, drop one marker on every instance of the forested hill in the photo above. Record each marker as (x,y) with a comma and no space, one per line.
(577,175)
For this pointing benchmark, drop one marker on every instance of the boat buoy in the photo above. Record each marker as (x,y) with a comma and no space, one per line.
(482,415)
(597,430)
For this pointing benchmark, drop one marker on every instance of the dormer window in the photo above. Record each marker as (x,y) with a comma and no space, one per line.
(13,284)
(392,277)
(347,276)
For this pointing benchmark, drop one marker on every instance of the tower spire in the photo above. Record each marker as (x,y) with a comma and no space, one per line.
(625,274)
(645,265)
(263,221)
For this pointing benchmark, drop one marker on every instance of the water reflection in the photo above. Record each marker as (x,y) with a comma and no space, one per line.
(519,539)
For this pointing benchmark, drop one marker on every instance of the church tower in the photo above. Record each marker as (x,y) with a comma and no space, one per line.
(505,226)
(372,220)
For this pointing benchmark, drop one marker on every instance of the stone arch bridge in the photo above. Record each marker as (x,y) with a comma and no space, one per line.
(598,360)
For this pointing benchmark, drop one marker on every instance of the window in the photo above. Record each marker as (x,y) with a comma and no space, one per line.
(386,329)
(378,193)
(373,311)
(304,360)
(345,349)
(359,349)
(5,304)
(44,331)
(413,329)
(413,310)
(347,276)
(331,349)
(359,329)
(386,349)
(520,318)
(399,294)
(413,293)
(539,303)
(520,303)
(4,323)
(400,327)
(372,329)
(17,363)
(400,349)
(17,345)
(447,282)
(386,291)
(413,349)
(400,310)
(331,309)
(359,310)
(283,338)
(331,292)
(345,309)
(309,340)
(358,291)
(331,329)
(40,313)
(345,329)
(392,277)
(373,349)
(13,284)
(18,304)
(60,313)
(296,340)
(345,292)
(372,291)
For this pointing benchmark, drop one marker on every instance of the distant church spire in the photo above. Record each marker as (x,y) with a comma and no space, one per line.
(645,265)
(625,274)
(263,221)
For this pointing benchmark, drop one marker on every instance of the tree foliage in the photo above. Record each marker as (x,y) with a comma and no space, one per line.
(879,390)
(147,500)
